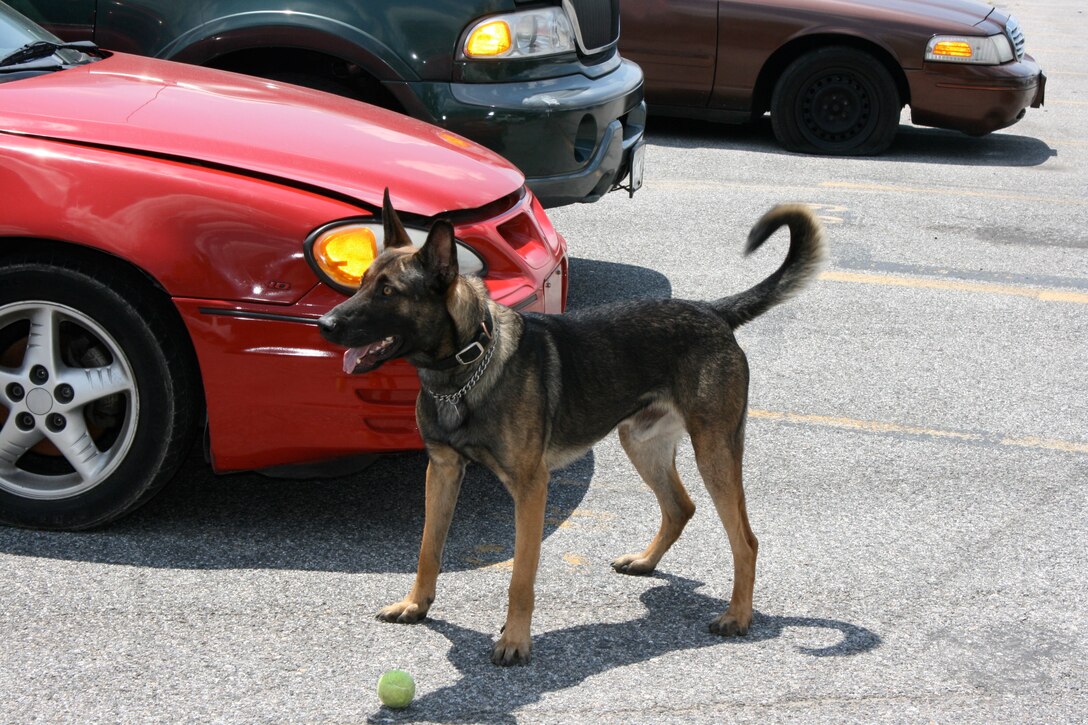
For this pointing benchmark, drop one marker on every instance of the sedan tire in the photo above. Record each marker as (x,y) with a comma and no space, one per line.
(838,101)
(98,393)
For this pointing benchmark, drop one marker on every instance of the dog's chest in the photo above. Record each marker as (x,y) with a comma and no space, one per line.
(456,429)
(450,416)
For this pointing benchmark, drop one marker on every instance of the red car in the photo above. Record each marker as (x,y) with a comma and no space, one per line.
(169,236)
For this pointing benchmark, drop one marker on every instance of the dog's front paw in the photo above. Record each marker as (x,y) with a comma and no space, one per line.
(634,564)
(403,612)
(511,651)
(728,625)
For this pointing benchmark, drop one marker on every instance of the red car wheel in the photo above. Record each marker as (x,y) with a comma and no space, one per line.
(97,392)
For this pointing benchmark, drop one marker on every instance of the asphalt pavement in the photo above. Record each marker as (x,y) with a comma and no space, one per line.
(916,469)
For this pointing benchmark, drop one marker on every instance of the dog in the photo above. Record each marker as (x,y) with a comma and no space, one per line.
(525,394)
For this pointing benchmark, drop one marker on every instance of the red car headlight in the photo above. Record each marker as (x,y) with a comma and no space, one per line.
(341,252)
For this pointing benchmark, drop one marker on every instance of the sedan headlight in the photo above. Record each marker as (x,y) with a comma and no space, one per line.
(527,34)
(989,50)
(341,252)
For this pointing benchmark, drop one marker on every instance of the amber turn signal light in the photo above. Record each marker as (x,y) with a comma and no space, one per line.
(489,40)
(345,253)
(952,49)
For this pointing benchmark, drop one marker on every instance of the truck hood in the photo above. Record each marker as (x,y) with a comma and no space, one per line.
(262,127)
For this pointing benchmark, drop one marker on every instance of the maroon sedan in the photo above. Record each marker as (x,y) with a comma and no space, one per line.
(834,74)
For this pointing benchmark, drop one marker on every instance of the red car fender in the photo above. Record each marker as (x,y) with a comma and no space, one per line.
(199,232)
(228,249)
(277,393)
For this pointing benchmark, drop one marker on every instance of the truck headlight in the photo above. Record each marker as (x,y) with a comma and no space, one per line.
(526,34)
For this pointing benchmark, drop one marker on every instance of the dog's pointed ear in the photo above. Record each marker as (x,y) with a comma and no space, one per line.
(395,236)
(439,253)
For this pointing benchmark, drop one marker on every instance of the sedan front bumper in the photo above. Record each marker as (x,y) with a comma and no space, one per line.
(975,99)
(276,391)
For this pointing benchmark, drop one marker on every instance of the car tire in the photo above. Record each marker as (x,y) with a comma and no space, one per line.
(99,392)
(837,101)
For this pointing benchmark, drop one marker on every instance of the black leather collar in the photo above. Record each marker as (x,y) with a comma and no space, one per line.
(474,350)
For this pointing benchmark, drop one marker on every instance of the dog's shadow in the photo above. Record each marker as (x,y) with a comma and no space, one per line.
(675,620)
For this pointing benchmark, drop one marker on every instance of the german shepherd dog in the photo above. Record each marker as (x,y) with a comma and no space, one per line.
(524,394)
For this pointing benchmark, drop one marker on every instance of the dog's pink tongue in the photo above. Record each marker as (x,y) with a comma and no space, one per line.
(353,357)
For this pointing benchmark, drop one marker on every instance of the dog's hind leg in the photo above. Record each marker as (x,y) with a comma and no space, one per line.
(445,470)
(718,454)
(651,446)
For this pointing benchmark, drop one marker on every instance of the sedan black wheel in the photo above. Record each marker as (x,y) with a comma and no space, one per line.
(836,100)
(97,394)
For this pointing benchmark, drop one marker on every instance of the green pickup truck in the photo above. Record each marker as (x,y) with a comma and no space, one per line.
(541,83)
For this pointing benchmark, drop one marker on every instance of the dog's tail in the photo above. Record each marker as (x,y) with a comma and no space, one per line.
(806,254)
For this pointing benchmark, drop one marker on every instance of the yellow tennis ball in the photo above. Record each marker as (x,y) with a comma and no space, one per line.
(396,688)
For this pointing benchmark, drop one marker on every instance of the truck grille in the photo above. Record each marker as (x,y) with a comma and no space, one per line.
(596,23)
(1016,35)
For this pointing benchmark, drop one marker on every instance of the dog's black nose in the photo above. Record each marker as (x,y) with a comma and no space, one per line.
(328,324)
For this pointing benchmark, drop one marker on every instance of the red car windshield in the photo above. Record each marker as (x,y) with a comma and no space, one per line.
(27,47)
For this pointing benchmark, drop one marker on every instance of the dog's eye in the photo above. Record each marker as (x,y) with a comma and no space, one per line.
(387,290)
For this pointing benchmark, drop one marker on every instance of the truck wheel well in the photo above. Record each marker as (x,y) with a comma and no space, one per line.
(309,68)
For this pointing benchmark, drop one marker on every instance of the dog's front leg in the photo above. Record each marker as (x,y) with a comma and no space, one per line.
(530,494)
(445,470)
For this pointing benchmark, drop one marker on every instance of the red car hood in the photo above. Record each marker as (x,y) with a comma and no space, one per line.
(269,128)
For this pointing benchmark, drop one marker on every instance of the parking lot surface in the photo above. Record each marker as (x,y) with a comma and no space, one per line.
(916,470)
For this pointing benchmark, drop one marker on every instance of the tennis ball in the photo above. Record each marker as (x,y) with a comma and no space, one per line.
(396,688)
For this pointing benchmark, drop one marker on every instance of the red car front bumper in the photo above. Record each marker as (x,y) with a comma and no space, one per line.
(276,393)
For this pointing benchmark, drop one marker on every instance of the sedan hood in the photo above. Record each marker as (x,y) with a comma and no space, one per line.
(262,127)
(936,15)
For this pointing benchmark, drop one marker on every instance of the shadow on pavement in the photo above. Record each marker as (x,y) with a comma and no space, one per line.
(368,522)
(675,619)
(593,282)
(912,144)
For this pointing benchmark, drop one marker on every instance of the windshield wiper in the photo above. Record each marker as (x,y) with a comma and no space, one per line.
(44,49)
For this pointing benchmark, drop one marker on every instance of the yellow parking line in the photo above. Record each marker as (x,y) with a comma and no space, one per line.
(704,186)
(1044,294)
(1049,443)
(1004,196)
(873,426)
(576,560)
